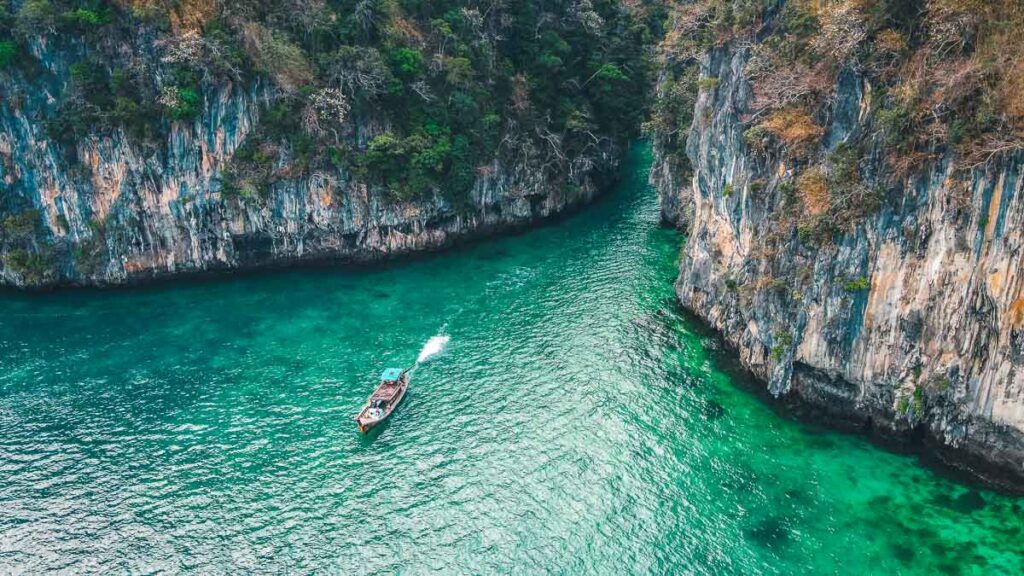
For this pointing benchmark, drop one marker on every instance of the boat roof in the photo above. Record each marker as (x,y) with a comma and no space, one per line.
(386,392)
(391,374)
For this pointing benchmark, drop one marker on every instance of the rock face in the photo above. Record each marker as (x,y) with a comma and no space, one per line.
(912,321)
(109,210)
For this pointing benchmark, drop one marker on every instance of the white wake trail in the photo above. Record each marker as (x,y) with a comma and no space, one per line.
(433,347)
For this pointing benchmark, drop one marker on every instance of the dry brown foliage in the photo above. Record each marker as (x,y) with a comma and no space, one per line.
(679,42)
(1005,50)
(953,24)
(843,28)
(990,146)
(183,15)
(325,112)
(970,72)
(889,49)
(903,164)
(813,188)
(780,85)
(520,93)
(284,62)
(1011,91)
(794,127)
(890,41)
(404,29)
(958,80)
(981,36)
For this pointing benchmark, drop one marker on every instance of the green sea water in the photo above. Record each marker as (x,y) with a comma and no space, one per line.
(577,423)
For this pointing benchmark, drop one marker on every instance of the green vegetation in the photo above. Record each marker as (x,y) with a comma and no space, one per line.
(24,223)
(902,405)
(893,118)
(407,62)
(859,284)
(420,161)
(183,103)
(443,87)
(708,83)
(8,51)
(917,400)
(911,406)
(940,383)
(35,17)
(85,18)
(672,114)
(103,99)
(90,255)
(783,340)
(9,48)
(779,286)
(33,267)
(18,238)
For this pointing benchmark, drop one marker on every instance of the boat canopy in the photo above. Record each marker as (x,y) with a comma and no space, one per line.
(391,374)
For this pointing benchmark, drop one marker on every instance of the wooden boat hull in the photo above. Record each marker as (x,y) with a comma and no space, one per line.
(367,423)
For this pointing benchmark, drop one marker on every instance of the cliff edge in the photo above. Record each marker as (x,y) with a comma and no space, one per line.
(876,275)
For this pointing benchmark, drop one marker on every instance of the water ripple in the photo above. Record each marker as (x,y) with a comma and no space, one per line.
(576,424)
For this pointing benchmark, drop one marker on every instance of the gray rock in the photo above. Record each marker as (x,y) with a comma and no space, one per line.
(936,342)
(118,211)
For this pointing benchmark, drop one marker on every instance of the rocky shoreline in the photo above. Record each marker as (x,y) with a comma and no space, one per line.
(132,219)
(811,405)
(909,325)
(239,182)
(355,260)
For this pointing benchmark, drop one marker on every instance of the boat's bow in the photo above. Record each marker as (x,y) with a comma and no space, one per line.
(384,399)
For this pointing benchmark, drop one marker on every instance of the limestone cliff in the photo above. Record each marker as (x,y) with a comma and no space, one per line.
(149,139)
(116,212)
(906,318)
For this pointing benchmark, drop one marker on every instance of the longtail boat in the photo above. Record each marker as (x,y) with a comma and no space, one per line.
(393,384)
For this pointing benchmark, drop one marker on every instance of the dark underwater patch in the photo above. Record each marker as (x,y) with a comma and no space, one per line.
(821,442)
(904,553)
(771,532)
(798,495)
(494,254)
(712,411)
(880,501)
(966,503)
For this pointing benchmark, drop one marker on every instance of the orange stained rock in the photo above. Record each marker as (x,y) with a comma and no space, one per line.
(993,207)
(138,265)
(1017,313)
(325,195)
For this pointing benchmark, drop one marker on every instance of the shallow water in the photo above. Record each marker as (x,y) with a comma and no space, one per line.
(575,423)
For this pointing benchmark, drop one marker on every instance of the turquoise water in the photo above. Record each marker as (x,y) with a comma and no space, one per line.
(575,424)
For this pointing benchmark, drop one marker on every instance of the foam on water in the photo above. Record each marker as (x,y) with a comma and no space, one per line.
(432,348)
